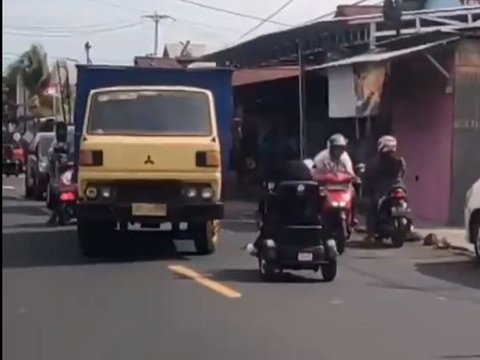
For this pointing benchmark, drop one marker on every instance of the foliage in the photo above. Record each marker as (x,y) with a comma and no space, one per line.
(32,67)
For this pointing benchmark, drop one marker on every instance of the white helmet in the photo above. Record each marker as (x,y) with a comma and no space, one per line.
(387,143)
(337,140)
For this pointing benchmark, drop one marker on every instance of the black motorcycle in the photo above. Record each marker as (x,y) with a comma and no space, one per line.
(292,232)
(394,219)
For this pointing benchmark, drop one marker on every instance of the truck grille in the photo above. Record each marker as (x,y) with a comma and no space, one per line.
(161,191)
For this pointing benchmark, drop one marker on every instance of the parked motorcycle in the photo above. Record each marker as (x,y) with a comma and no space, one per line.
(337,195)
(394,220)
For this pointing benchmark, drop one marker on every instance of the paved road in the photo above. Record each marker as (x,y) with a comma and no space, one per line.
(412,303)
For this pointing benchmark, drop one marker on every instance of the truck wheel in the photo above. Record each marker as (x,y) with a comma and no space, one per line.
(93,237)
(205,237)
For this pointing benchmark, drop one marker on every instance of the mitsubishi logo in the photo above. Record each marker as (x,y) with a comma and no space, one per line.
(149,161)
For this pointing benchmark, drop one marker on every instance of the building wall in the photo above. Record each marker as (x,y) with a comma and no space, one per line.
(466,136)
(422,118)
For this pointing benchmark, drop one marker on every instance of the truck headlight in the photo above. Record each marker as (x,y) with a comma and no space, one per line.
(207,193)
(91,192)
(190,192)
(106,192)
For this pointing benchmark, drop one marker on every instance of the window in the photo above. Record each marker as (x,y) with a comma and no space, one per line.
(150,113)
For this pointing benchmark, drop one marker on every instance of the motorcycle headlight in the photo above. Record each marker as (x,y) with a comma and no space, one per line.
(271,185)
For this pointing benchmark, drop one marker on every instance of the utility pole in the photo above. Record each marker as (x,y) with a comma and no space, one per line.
(87,52)
(156,20)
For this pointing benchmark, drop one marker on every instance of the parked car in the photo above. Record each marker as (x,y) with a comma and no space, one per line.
(472,217)
(36,168)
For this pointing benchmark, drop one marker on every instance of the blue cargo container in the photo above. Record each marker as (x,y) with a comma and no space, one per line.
(217,80)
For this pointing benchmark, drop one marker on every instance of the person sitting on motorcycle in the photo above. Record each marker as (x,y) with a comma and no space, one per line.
(386,171)
(287,167)
(335,157)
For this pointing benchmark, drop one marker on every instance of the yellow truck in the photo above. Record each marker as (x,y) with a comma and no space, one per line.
(148,154)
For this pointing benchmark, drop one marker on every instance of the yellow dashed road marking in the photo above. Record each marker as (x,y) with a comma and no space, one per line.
(202,280)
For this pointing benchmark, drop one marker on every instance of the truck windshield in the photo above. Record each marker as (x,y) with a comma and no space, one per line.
(150,113)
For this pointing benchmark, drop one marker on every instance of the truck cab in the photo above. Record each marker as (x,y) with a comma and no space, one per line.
(149,155)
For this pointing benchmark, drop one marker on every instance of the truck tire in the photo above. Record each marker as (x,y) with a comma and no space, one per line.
(93,237)
(205,237)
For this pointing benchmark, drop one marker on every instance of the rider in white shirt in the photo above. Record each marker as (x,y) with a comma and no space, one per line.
(335,157)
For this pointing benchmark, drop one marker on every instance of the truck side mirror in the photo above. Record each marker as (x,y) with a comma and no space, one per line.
(61,132)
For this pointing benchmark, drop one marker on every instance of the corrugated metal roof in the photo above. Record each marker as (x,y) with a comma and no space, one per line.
(357,10)
(253,76)
(383,56)
(158,62)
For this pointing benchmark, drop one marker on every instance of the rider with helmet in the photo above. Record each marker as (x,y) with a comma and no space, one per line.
(335,157)
(385,171)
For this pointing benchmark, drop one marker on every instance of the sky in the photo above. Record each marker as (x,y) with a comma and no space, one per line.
(117,32)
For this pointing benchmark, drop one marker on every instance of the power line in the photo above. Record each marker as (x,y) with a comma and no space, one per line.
(231,12)
(77,33)
(140,11)
(62,28)
(267,19)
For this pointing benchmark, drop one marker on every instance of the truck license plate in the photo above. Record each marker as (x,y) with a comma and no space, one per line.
(145,209)
(305,256)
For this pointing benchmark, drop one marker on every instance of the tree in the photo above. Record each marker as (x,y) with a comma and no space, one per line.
(32,67)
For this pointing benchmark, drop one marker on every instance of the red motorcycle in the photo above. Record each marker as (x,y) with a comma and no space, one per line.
(337,194)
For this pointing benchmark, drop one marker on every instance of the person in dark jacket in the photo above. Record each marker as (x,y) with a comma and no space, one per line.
(384,172)
(287,167)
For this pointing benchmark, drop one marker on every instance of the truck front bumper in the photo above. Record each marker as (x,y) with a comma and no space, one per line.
(174,213)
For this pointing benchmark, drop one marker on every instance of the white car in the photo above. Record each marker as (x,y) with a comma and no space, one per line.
(472,217)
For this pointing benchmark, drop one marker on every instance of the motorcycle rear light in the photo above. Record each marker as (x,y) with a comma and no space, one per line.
(68,196)
(399,194)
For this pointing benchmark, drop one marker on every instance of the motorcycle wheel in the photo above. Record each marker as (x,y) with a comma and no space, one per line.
(398,241)
(400,235)
(63,218)
(342,237)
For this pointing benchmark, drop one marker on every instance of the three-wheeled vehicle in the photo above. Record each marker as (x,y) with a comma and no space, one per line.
(292,232)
